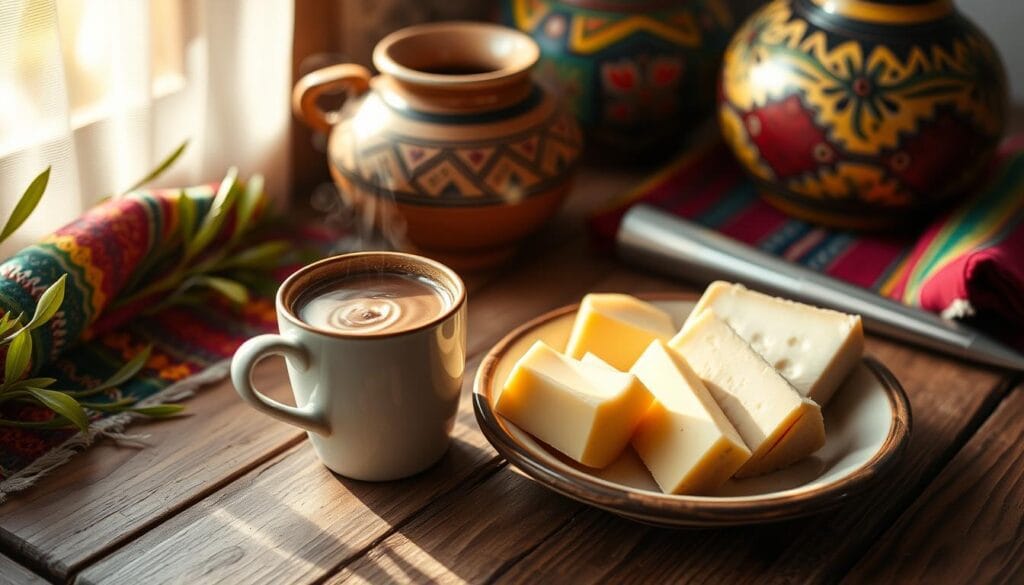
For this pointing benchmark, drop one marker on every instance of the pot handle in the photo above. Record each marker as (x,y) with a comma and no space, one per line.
(350,78)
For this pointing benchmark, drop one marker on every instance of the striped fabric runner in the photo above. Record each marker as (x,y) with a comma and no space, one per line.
(968,261)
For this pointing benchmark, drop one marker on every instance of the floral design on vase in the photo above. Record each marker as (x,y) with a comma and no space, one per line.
(851,122)
(635,73)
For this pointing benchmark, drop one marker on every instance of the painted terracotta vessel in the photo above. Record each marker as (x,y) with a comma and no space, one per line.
(862,114)
(453,142)
(636,72)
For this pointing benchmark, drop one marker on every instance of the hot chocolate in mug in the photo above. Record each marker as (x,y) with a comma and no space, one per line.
(375,345)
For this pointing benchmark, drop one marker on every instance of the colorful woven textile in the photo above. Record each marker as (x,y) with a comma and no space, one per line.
(89,339)
(968,263)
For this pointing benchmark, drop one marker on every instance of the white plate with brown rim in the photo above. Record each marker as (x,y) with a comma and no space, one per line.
(867,426)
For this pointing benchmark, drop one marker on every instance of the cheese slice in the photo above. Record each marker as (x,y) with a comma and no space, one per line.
(586,411)
(815,349)
(685,439)
(777,423)
(617,328)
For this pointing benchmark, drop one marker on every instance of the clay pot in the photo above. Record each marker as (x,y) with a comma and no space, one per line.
(637,73)
(862,114)
(453,140)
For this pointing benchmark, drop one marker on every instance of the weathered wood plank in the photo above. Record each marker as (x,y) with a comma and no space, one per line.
(948,398)
(288,521)
(968,526)
(11,573)
(465,540)
(110,493)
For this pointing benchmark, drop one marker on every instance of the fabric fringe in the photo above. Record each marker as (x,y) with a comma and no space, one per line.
(111,427)
(958,309)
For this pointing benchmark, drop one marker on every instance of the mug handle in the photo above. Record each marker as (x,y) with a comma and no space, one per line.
(310,417)
(350,78)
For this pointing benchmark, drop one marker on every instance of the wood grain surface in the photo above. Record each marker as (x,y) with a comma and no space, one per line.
(112,492)
(229,495)
(288,521)
(11,573)
(968,526)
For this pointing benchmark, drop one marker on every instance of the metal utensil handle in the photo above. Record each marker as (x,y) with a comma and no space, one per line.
(658,240)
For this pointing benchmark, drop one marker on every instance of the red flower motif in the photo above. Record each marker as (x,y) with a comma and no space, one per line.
(785,134)
(619,76)
(666,72)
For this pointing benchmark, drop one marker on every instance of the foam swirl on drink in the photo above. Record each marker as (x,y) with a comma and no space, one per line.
(373,313)
(373,303)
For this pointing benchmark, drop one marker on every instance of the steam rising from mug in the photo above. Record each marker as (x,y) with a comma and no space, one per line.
(369,222)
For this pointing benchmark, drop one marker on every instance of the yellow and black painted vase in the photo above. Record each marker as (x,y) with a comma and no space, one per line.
(862,114)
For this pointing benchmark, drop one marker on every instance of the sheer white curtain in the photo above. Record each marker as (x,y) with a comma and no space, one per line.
(102,90)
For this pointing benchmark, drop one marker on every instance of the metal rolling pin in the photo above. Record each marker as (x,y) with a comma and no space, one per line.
(677,247)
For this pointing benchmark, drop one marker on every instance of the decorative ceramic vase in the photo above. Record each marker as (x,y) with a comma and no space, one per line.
(453,141)
(862,114)
(636,72)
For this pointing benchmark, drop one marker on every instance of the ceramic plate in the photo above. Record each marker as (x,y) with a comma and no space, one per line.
(867,424)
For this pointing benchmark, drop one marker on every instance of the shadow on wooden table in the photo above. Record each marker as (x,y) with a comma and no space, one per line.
(380,499)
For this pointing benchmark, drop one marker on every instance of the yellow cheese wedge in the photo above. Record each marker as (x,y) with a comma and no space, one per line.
(586,411)
(685,439)
(617,328)
(777,423)
(815,349)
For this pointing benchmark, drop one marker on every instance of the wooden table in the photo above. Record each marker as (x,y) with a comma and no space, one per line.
(229,495)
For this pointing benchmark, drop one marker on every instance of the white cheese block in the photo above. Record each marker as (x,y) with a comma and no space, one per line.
(588,412)
(777,423)
(617,328)
(815,349)
(685,439)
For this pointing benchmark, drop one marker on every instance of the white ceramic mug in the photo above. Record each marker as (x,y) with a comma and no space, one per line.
(376,406)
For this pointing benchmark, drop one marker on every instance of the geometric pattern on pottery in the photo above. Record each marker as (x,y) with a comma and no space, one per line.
(625,68)
(505,169)
(842,119)
(590,32)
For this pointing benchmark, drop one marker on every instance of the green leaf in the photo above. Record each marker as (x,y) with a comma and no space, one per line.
(160,410)
(186,217)
(234,291)
(6,323)
(127,371)
(18,356)
(49,303)
(27,204)
(265,255)
(247,204)
(167,162)
(214,219)
(37,382)
(63,405)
